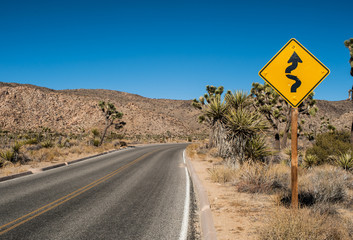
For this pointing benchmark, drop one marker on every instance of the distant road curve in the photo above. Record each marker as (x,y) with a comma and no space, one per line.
(140,193)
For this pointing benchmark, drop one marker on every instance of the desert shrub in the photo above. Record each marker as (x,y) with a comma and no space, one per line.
(321,185)
(328,144)
(32,141)
(324,209)
(304,224)
(7,155)
(328,185)
(47,144)
(222,174)
(191,150)
(95,132)
(123,144)
(66,144)
(258,177)
(34,147)
(96,142)
(16,147)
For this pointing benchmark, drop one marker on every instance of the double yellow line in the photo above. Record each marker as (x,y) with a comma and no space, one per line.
(25,218)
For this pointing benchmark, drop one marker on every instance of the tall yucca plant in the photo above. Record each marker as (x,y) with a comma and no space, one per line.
(242,126)
(213,113)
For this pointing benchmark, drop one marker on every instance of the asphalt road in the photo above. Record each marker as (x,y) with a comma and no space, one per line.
(139,193)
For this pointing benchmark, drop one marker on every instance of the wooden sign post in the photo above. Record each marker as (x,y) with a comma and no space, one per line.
(294,158)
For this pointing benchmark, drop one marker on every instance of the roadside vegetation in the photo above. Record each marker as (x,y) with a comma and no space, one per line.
(245,134)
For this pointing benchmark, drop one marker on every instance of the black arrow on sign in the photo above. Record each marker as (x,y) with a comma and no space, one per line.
(294,59)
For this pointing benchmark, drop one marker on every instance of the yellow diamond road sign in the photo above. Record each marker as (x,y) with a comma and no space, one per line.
(294,72)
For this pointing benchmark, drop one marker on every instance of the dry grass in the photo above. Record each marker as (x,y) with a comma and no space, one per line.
(261,178)
(222,174)
(47,156)
(322,185)
(304,224)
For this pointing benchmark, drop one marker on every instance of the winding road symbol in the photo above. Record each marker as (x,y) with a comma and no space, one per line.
(294,59)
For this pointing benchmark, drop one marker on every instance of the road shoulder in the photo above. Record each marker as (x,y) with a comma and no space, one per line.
(235,215)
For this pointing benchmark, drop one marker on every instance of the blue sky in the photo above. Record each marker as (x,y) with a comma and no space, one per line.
(168,49)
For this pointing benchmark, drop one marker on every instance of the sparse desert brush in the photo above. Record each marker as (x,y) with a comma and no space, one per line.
(321,185)
(32,141)
(47,144)
(45,155)
(77,149)
(304,224)
(222,174)
(7,155)
(257,177)
(191,150)
(328,184)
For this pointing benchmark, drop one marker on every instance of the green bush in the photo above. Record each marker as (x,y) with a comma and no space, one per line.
(330,144)
(47,144)
(16,148)
(7,155)
(96,142)
(95,132)
(32,141)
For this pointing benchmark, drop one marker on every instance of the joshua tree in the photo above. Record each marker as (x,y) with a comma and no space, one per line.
(213,113)
(276,110)
(349,45)
(110,114)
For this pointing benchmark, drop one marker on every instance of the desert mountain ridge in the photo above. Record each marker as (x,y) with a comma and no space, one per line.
(27,107)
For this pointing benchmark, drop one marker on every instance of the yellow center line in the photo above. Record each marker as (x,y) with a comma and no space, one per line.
(67,197)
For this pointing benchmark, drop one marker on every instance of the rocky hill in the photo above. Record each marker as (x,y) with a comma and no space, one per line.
(25,107)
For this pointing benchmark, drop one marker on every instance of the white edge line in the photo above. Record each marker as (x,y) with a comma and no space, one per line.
(185,223)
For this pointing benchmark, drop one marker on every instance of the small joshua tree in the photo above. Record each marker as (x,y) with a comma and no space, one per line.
(110,114)
(349,45)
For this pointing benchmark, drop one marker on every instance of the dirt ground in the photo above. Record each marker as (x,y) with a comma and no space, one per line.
(235,215)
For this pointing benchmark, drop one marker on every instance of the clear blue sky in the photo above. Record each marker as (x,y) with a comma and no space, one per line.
(168,49)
